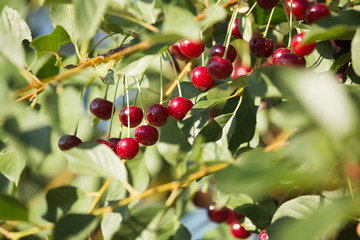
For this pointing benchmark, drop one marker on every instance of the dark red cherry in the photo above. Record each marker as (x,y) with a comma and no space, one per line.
(146,135)
(343,43)
(219,50)
(127,148)
(278,53)
(239,231)
(202,199)
(263,235)
(218,215)
(136,116)
(267,4)
(109,144)
(175,50)
(192,49)
(114,141)
(289,59)
(201,78)
(316,12)
(235,33)
(178,107)
(261,47)
(234,216)
(302,49)
(68,141)
(298,8)
(101,108)
(241,70)
(157,115)
(220,68)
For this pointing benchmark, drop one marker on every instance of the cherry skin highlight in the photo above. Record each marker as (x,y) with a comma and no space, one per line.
(302,49)
(192,49)
(219,50)
(67,142)
(299,8)
(101,108)
(263,235)
(241,70)
(178,107)
(109,144)
(278,53)
(218,215)
(220,68)
(201,78)
(316,12)
(136,116)
(261,47)
(146,135)
(239,231)
(267,4)
(157,115)
(127,148)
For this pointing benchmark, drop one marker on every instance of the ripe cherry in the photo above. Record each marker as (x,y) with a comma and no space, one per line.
(136,116)
(114,141)
(101,108)
(201,78)
(316,12)
(109,144)
(68,141)
(175,50)
(266,4)
(298,8)
(278,53)
(192,49)
(146,135)
(178,107)
(219,50)
(218,215)
(202,199)
(302,49)
(220,68)
(235,33)
(239,231)
(261,47)
(234,216)
(157,115)
(263,235)
(127,148)
(289,59)
(241,70)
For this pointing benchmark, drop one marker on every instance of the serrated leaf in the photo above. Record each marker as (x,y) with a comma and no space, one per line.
(11,48)
(16,24)
(12,209)
(355,44)
(61,14)
(52,42)
(11,166)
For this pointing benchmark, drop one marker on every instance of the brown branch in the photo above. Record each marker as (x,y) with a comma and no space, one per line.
(185,71)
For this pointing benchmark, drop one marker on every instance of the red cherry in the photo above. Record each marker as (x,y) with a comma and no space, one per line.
(136,116)
(261,47)
(302,49)
(235,33)
(218,215)
(219,50)
(298,8)
(127,148)
(101,108)
(278,53)
(263,235)
(109,144)
(234,216)
(201,78)
(157,115)
(289,59)
(316,12)
(67,142)
(175,50)
(343,43)
(146,135)
(114,141)
(202,199)
(266,4)
(178,107)
(220,68)
(192,49)
(241,70)
(239,231)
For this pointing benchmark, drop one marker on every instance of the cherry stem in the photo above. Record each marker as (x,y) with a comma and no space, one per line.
(113,108)
(104,38)
(128,106)
(268,24)
(161,81)
(141,98)
(176,75)
(123,105)
(228,33)
(78,120)
(252,8)
(288,19)
(137,92)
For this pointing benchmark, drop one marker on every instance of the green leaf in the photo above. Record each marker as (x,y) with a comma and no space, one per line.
(262,16)
(214,14)
(16,24)
(139,174)
(75,227)
(355,44)
(96,160)
(212,131)
(62,14)
(52,42)
(11,48)
(174,230)
(43,2)
(87,17)
(11,166)
(12,209)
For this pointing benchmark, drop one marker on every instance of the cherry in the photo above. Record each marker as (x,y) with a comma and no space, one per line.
(146,135)
(278,53)
(316,12)
(101,108)
(220,68)
(235,33)
(127,148)
(289,59)
(261,47)
(192,49)
(219,50)
(241,70)
(239,231)
(114,141)
(175,50)
(109,144)
(201,78)
(136,116)
(202,199)
(157,115)
(302,49)
(178,107)
(218,215)
(68,141)
(298,8)
(234,216)
(263,235)
(343,43)
(266,4)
